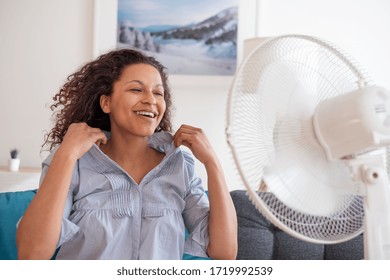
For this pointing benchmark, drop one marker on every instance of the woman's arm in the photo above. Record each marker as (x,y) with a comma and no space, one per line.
(39,229)
(222,219)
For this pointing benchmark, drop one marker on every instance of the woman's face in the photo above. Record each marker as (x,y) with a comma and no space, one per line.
(137,103)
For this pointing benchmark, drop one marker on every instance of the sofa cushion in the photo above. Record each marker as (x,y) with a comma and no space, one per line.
(287,247)
(259,239)
(255,233)
(12,207)
(349,250)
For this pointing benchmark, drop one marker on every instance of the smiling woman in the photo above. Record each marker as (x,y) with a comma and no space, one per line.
(116,184)
(137,101)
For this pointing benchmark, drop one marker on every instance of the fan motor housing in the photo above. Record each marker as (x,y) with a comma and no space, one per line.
(353,123)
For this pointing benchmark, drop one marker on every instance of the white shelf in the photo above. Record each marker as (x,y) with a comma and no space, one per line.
(24,179)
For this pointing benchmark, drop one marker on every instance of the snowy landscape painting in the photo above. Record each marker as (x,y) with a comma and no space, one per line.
(193,37)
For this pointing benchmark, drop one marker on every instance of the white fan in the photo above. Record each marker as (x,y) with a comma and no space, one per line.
(309,137)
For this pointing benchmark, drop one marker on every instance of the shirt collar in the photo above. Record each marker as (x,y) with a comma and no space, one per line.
(161,141)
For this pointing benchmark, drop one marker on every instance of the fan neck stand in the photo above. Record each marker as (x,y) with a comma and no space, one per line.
(369,169)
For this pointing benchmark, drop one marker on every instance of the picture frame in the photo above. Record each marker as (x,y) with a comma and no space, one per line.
(104,26)
(105,36)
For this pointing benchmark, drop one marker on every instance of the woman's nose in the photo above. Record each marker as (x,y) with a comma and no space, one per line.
(149,98)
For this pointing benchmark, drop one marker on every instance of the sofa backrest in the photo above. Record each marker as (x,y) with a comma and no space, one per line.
(259,239)
(12,207)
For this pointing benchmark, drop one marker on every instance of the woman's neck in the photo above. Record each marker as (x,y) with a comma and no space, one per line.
(131,148)
(133,154)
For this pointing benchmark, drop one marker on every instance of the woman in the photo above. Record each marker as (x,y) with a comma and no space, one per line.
(116,185)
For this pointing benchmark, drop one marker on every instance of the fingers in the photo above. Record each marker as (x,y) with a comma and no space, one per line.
(83,130)
(183,138)
(102,139)
(195,139)
(186,135)
(190,130)
(80,137)
(97,135)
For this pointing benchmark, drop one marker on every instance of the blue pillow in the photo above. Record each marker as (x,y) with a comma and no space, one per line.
(191,257)
(12,207)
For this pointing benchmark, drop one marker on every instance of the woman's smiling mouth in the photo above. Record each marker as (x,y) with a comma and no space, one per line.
(148,114)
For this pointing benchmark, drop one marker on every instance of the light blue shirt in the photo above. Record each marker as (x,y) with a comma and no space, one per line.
(109,216)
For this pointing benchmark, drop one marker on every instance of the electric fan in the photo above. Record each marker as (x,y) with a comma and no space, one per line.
(309,136)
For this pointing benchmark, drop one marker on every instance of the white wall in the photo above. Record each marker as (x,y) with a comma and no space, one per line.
(359,27)
(43,41)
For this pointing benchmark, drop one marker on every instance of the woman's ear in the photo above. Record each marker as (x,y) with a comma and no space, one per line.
(105,103)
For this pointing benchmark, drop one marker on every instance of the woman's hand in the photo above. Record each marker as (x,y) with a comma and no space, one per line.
(80,138)
(195,139)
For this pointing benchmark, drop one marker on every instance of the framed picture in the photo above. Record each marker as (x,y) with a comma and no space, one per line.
(194,37)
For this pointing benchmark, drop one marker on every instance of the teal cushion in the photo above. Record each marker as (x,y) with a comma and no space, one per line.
(191,257)
(12,207)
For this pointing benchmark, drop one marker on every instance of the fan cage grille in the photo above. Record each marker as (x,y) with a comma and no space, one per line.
(270,84)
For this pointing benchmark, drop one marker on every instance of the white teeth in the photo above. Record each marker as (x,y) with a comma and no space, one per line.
(147,114)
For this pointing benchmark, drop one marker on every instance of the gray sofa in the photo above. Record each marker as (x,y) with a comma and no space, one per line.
(258,239)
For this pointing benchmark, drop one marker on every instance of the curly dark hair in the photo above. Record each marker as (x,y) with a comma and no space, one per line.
(79,98)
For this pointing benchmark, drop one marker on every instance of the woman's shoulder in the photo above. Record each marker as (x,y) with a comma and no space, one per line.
(50,155)
(187,156)
(47,162)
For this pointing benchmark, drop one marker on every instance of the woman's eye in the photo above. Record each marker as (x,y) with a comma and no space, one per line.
(135,90)
(159,93)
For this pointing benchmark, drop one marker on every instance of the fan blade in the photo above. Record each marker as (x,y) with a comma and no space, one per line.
(314,186)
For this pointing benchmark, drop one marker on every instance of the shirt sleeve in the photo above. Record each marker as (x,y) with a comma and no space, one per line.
(196,213)
(68,228)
